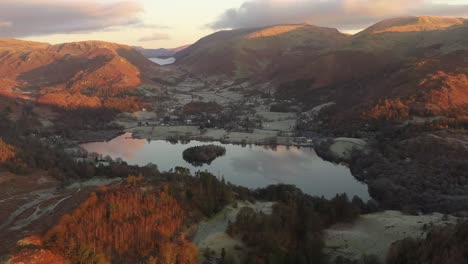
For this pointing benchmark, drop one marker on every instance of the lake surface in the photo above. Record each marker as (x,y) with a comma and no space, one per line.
(163,62)
(249,166)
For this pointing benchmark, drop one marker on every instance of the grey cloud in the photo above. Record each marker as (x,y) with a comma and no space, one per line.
(343,14)
(25,18)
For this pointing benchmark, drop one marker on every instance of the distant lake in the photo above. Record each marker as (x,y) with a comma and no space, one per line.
(249,166)
(163,62)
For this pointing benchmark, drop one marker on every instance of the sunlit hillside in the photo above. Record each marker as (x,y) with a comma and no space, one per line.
(57,74)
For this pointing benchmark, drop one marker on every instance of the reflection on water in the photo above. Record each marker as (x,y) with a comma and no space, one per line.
(250,166)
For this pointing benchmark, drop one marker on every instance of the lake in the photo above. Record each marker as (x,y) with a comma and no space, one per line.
(163,62)
(249,166)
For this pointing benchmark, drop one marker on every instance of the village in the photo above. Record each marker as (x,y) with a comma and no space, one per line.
(230,113)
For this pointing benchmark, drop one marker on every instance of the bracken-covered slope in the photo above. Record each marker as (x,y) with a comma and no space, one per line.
(71,74)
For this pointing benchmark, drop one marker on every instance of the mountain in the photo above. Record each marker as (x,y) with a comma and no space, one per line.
(244,52)
(402,36)
(431,85)
(14,44)
(414,24)
(415,63)
(71,74)
(160,53)
(271,51)
(393,70)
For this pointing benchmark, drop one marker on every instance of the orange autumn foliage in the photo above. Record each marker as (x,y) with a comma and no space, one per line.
(70,100)
(123,225)
(389,110)
(128,103)
(7,151)
(37,256)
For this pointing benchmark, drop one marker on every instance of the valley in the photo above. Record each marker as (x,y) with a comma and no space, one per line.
(331,141)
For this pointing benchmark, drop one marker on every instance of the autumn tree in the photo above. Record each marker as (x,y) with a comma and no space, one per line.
(7,151)
(122,225)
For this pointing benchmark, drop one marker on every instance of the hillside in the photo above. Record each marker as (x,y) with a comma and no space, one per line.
(71,74)
(14,44)
(413,66)
(244,52)
(414,24)
(301,51)
(403,35)
(433,84)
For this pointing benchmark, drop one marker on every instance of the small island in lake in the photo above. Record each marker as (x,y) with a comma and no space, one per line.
(200,155)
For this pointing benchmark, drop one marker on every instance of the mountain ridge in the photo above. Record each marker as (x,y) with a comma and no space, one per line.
(242,51)
(414,23)
(87,71)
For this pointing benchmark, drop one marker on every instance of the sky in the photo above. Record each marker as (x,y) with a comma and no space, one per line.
(169,24)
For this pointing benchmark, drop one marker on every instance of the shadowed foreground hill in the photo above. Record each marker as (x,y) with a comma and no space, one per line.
(71,75)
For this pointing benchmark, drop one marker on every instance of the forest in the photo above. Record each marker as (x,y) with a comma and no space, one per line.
(415,173)
(293,233)
(123,225)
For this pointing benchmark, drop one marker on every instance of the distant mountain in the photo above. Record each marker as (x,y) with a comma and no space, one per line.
(72,74)
(160,53)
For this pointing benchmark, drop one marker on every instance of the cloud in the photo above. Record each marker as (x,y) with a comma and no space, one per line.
(155,36)
(151,26)
(343,14)
(5,24)
(43,17)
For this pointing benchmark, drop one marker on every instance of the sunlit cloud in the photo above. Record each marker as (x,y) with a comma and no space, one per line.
(44,17)
(5,24)
(343,14)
